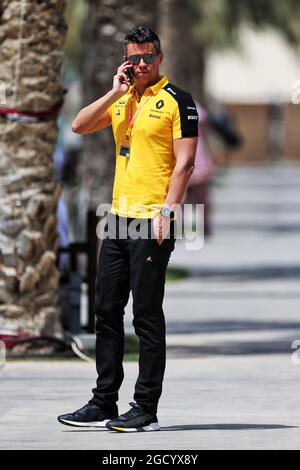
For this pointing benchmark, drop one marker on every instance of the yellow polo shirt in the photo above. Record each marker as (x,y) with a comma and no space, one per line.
(142,180)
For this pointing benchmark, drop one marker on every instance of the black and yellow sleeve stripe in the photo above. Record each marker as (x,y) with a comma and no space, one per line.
(187,110)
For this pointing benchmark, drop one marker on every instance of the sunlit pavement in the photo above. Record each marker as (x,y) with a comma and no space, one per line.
(232,377)
(213,402)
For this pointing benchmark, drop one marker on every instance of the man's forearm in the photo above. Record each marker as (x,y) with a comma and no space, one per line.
(88,116)
(178,185)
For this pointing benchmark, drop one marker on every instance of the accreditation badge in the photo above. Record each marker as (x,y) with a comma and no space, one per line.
(125,147)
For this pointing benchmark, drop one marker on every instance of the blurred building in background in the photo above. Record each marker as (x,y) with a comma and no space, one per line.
(256,83)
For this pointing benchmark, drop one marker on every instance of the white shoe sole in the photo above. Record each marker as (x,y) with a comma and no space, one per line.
(150,427)
(91,424)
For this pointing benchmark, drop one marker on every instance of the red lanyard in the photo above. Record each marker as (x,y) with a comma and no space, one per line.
(131,119)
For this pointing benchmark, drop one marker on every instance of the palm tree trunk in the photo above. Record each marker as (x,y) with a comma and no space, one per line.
(183,54)
(32,35)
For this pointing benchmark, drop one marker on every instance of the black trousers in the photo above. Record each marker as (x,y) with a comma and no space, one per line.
(127,263)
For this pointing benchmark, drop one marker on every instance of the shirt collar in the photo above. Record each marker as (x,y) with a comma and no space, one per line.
(154,89)
(159,85)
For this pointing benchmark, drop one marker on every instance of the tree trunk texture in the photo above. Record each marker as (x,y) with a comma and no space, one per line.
(183,53)
(104,29)
(32,34)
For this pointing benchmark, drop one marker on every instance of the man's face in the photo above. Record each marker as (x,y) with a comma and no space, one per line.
(145,73)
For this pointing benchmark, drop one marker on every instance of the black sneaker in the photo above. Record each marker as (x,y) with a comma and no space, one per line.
(136,419)
(89,415)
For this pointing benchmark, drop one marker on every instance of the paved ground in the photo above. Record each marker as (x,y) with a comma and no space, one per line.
(230,381)
(232,402)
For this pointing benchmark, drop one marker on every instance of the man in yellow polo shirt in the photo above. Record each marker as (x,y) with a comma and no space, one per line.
(155,126)
(142,181)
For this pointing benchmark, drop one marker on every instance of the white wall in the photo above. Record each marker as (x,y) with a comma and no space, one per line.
(264,70)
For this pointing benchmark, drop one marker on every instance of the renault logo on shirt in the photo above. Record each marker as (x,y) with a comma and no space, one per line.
(160,104)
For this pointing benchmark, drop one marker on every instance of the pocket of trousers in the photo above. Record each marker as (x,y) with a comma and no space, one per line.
(169,237)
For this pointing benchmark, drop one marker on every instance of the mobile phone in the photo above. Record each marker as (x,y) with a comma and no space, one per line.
(129,73)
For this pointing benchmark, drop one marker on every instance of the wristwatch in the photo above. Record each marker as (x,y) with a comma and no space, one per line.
(167,212)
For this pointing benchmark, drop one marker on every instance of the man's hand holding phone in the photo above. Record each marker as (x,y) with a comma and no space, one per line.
(122,81)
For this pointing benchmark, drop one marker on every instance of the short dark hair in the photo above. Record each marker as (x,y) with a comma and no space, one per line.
(140,35)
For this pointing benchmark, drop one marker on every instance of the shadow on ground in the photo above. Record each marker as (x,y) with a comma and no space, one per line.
(243,273)
(229,326)
(205,427)
(231,349)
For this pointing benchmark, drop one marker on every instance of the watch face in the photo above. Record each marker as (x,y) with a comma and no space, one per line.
(166,212)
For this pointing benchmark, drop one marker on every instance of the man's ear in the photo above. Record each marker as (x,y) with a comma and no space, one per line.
(161,56)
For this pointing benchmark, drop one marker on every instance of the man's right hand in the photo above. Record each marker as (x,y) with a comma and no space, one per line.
(95,117)
(121,82)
